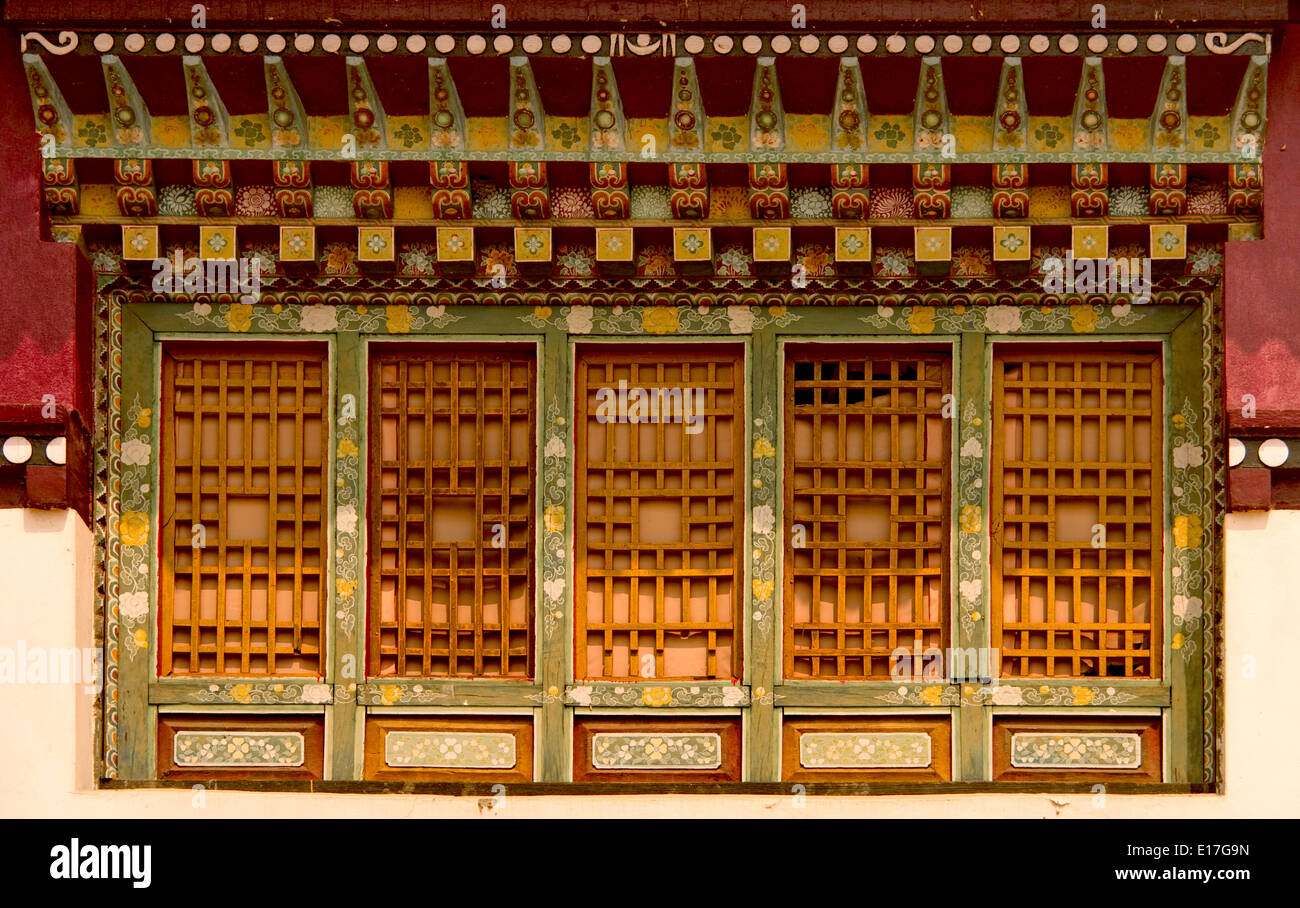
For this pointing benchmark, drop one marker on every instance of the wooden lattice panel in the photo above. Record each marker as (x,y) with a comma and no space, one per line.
(1076,505)
(452,452)
(244,451)
(659,512)
(867,454)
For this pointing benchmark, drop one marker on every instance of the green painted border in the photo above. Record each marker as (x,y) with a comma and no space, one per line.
(1193,340)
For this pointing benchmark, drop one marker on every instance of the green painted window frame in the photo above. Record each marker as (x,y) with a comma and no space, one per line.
(1187,695)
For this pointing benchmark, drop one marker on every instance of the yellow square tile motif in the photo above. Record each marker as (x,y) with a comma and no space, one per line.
(532,244)
(933,244)
(139,244)
(298,244)
(771,244)
(455,244)
(852,244)
(1168,241)
(217,242)
(375,244)
(692,244)
(614,244)
(1091,242)
(1011,244)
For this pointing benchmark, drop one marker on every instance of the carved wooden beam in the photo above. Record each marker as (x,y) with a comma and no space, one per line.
(53,116)
(447,116)
(1011,113)
(209,123)
(369,125)
(608,126)
(527,117)
(131,125)
(289,125)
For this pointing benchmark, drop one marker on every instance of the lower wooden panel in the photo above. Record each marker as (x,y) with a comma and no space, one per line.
(656,750)
(1069,749)
(240,747)
(450,748)
(866,748)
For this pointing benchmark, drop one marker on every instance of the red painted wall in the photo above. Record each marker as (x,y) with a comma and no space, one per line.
(1263,277)
(41,349)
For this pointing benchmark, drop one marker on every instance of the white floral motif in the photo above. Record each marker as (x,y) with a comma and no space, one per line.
(346,519)
(579,322)
(972,447)
(554,447)
(133,606)
(136,453)
(1002,319)
(1006,695)
(580,695)
(320,318)
(741,319)
(316,693)
(764,519)
(732,696)
(1187,608)
(971,589)
(1188,455)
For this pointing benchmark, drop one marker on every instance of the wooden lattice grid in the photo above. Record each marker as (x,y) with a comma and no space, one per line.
(867,456)
(659,514)
(244,452)
(452,461)
(1077,513)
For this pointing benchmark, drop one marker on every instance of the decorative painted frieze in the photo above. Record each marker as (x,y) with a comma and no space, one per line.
(449,750)
(1066,750)
(656,751)
(237,749)
(864,750)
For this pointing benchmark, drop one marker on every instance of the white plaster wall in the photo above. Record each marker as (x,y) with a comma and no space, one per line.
(46,594)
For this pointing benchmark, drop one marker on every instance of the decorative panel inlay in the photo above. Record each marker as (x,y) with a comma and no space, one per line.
(656,751)
(880,750)
(237,748)
(445,750)
(1084,751)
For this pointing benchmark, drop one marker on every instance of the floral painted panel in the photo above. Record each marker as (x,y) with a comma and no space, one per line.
(679,751)
(878,750)
(1066,751)
(449,750)
(237,748)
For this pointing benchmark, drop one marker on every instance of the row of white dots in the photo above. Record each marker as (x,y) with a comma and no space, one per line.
(1272,453)
(17,449)
(593,44)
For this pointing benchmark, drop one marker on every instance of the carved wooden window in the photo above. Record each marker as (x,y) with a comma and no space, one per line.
(1076,499)
(452,453)
(243,545)
(867,453)
(659,511)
